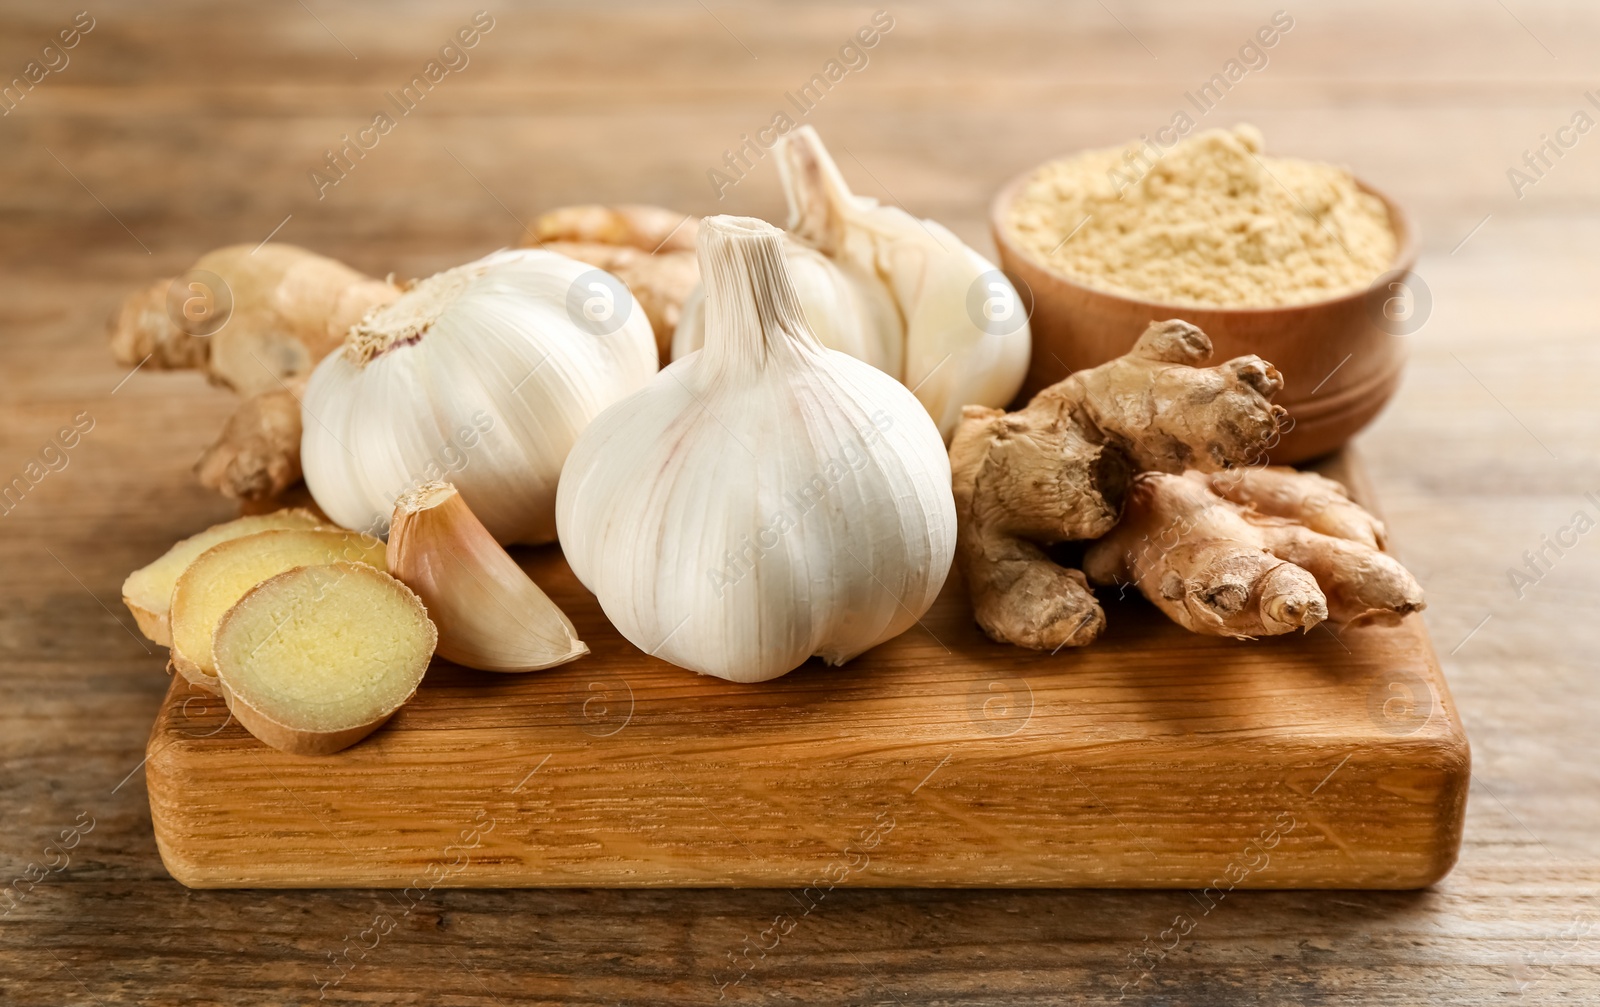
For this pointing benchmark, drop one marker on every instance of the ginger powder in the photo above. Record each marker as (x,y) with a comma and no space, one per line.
(1211,223)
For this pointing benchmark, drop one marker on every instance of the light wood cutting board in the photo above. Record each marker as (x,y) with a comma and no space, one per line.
(1154,758)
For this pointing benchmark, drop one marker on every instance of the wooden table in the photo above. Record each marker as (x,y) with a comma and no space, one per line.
(185,128)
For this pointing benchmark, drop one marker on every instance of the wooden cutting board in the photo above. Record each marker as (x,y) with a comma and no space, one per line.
(1154,758)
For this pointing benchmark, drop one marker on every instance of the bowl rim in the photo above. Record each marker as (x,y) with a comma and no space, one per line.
(1400,221)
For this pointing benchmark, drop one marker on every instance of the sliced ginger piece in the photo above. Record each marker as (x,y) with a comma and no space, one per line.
(224,573)
(316,658)
(148,590)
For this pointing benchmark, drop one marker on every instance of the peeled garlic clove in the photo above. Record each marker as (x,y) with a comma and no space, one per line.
(966,330)
(765,499)
(490,614)
(484,374)
(850,311)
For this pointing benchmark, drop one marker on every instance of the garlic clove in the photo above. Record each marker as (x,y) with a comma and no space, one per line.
(490,614)
(966,330)
(901,293)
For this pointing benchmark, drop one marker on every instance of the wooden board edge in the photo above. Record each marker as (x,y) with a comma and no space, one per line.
(1443,751)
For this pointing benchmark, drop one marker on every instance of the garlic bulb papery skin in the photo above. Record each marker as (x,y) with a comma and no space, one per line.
(966,329)
(765,499)
(848,310)
(483,375)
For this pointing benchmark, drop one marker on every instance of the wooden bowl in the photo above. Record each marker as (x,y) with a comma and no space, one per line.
(1339,366)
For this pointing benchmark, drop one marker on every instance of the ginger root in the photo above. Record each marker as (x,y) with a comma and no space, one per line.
(257,456)
(648,228)
(256,319)
(142,328)
(1317,502)
(249,316)
(648,248)
(1058,470)
(1221,567)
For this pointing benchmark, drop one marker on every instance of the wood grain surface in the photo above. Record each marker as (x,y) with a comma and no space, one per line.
(937,759)
(180,127)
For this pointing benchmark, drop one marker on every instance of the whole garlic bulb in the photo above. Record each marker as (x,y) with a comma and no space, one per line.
(963,327)
(765,499)
(848,310)
(484,375)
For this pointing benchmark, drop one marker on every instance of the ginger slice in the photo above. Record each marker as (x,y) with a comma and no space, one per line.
(148,590)
(224,573)
(316,658)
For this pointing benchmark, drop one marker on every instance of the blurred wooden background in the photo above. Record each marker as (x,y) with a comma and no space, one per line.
(178,127)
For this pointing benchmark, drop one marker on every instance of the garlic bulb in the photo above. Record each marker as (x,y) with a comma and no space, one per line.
(964,329)
(484,374)
(489,613)
(850,311)
(765,499)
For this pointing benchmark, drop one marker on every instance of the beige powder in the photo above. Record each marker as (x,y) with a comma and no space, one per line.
(1211,223)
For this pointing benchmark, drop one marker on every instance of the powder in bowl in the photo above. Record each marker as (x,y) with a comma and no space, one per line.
(1211,223)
